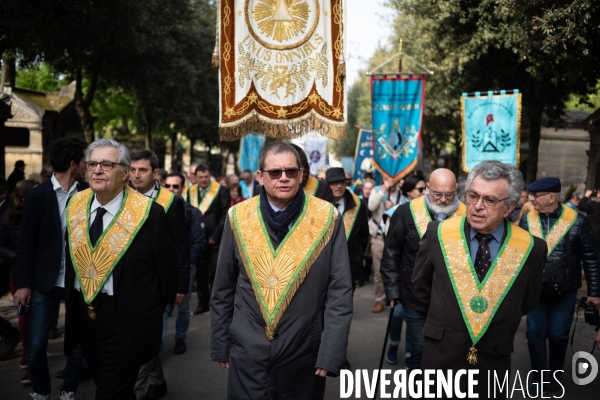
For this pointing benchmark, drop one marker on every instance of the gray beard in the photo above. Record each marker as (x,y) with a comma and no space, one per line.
(437,209)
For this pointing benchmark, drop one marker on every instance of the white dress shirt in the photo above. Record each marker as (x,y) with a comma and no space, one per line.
(341,205)
(62,198)
(112,208)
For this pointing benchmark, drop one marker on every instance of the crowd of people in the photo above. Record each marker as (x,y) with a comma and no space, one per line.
(275,257)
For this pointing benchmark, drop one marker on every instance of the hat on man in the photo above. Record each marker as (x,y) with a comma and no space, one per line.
(20,163)
(335,175)
(548,184)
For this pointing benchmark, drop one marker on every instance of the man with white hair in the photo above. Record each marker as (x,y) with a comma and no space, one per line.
(476,277)
(119,276)
(407,226)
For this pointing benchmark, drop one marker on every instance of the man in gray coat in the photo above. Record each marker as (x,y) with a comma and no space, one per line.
(281,303)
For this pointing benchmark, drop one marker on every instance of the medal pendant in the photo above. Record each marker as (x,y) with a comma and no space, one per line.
(91,313)
(472,356)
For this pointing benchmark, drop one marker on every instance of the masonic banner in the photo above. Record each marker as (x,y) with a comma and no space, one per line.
(363,157)
(397,110)
(250,147)
(491,126)
(281,68)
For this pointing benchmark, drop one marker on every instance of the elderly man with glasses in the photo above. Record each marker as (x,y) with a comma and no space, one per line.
(281,304)
(571,245)
(407,226)
(119,273)
(476,276)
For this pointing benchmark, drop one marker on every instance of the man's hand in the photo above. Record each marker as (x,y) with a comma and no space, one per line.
(387,184)
(224,364)
(394,303)
(588,193)
(211,242)
(22,296)
(321,372)
(595,300)
(179,298)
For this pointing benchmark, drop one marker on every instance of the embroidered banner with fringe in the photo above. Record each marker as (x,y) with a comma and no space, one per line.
(277,274)
(281,68)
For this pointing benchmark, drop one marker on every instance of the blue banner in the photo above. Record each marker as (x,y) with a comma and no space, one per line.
(491,127)
(397,110)
(250,146)
(363,157)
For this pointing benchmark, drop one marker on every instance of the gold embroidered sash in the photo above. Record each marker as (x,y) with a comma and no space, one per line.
(422,218)
(350,215)
(276,275)
(94,264)
(312,184)
(560,228)
(209,196)
(165,198)
(479,301)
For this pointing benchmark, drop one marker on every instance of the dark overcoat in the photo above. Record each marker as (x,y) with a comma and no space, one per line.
(312,333)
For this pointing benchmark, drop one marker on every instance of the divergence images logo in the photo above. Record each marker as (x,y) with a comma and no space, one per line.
(584,367)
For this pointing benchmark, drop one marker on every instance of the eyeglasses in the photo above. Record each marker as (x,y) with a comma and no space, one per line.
(536,195)
(172,186)
(104,165)
(489,202)
(439,195)
(289,172)
(421,189)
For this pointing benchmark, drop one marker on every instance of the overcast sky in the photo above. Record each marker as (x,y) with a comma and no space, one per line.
(368,23)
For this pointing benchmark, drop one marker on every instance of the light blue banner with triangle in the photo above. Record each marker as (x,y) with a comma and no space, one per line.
(491,124)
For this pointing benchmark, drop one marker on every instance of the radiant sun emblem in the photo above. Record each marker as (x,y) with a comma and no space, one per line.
(281,19)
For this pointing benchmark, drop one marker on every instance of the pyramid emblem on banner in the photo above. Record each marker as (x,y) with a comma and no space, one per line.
(490,148)
(282,13)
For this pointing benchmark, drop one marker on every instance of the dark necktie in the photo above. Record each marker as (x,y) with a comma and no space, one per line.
(97,226)
(337,205)
(483,259)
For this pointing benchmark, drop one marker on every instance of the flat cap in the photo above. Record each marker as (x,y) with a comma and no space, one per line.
(548,184)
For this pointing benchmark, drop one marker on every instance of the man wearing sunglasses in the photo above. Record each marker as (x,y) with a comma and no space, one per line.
(213,201)
(476,276)
(354,214)
(571,245)
(281,304)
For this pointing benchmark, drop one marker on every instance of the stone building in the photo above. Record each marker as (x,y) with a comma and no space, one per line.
(562,150)
(29,121)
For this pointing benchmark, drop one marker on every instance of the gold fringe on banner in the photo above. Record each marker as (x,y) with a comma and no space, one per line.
(284,129)
(341,67)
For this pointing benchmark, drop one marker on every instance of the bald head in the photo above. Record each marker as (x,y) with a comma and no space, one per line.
(442,181)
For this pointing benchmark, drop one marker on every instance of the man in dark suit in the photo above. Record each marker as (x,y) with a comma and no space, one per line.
(40,257)
(468,327)
(310,184)
(354,214)
(144,175)
(119,273)
(213,201)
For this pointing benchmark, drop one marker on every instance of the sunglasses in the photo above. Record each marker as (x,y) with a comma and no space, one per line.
(421,189)
(172,186)
(289,172)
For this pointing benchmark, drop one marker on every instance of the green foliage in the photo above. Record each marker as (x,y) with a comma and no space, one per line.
(39,77)
(589,102)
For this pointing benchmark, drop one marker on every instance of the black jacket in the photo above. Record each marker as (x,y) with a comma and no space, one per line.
(15,177)
(143,282)
(324,192)
(180,234)
(583,250)
(39,252)
(592,208)
(357,242)
(195,223)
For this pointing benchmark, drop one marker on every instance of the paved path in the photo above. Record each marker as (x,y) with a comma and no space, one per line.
(193,376)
